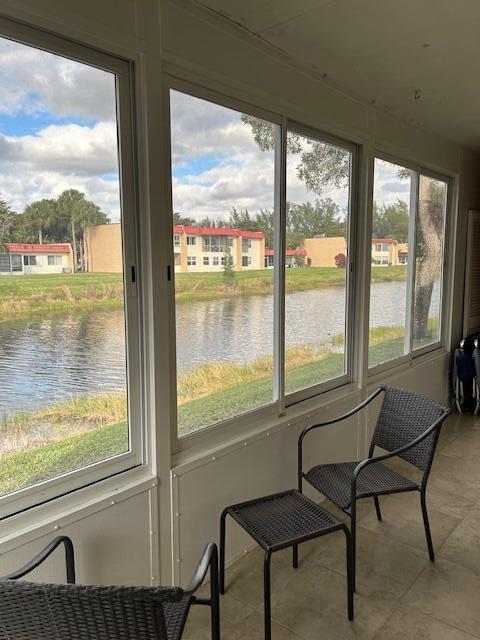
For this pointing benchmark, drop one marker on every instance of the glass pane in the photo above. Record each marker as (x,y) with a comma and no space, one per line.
(223,199)
(318,202)
(388,285)
(63,401)
(429,240)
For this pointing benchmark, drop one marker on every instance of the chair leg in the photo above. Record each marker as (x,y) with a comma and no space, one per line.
(377,508)
(348,539)
(266,596)
(295,556)
(214,598)
(426,523)
(353,531)
(222,552)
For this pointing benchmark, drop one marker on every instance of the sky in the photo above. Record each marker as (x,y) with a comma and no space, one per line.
(216,164)
(57,129)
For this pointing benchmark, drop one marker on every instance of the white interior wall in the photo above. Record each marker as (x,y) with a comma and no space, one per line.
(113,541)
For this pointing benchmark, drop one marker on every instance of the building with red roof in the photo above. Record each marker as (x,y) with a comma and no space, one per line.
(31,258)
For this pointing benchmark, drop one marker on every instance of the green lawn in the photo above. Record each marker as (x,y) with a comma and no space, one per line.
(18,470)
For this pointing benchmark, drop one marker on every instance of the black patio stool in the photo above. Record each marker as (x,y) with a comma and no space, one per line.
(279,521)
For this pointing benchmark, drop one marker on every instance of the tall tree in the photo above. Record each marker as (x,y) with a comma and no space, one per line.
(391,221)
(39,215)
(7,218)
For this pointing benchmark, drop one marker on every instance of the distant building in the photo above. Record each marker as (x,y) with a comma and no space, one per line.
(402,253)
(26,258)
(207,248)
(103,248)
(321,251)
(293,258)
(384,252)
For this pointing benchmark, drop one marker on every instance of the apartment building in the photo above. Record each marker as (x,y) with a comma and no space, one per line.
(208,248)
(384,252)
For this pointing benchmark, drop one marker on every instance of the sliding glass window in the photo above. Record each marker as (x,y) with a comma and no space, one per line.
(223,175)
(408,232)
(316,261)
(256,325)
(68,317)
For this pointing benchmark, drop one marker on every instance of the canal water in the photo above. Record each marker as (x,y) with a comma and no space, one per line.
(43,361)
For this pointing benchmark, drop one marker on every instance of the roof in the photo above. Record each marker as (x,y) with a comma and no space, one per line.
(383,241)
(288,252)
(21,247)
(217,231)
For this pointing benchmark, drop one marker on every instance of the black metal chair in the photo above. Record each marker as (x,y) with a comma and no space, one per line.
(279,521)
(408,426)
(39,611)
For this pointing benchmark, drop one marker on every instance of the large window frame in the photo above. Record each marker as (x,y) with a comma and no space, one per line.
(281,402)
(123,70)
(445,305)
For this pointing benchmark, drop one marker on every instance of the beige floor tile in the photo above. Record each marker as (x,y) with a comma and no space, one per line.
(313,604)
(402,520)
(385,567)
(466,444)
(408,624)
(463,545)
(449,593)
(238,622)
(460,476)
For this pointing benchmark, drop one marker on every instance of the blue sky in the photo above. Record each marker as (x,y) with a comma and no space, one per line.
(57,129)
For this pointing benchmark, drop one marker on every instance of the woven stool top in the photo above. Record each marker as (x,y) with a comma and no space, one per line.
(283,519)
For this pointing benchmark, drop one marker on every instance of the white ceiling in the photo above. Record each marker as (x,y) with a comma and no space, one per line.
(419,59)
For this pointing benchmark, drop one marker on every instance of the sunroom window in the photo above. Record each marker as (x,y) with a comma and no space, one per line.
(64,308)
(271,328)
(406,290)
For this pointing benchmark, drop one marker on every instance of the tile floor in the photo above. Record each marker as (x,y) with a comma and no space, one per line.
(400,594)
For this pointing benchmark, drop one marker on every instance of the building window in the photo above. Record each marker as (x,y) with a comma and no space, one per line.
(217,244)
(206,261)
(191,261)
(191,240)
(405,307)
(176,240)
(77,424)
(246,356)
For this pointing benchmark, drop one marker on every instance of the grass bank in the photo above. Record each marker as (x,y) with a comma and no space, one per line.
(206,286)
(26,295)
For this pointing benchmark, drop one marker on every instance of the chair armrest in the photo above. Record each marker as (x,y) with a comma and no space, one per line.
(43,555)
(209,560)
(396,452)
(350,413)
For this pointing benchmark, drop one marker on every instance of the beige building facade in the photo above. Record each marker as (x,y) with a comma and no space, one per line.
(103,248)
(208,249)
(321,251)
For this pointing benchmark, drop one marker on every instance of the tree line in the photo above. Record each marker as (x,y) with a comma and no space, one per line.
(62,219)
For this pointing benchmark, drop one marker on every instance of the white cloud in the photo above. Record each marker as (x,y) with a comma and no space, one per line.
(34,81)
(70,149)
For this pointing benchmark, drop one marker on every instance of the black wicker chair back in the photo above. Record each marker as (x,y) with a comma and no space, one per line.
(403,417)
(31,611)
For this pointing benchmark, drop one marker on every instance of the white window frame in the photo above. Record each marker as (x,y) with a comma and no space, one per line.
(68,482)
(191,241)
(281,402)
(446,279)
(191,261)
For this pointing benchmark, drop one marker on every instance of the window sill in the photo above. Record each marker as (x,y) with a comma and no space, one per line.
(52,517)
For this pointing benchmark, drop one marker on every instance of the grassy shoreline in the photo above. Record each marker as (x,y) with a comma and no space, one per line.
(29,295)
